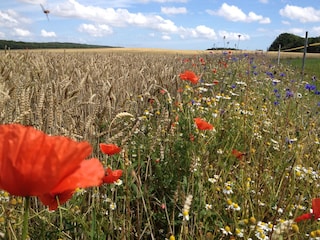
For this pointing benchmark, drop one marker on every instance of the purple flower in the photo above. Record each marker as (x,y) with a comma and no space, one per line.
(270,74)
(282,74)
(310,87)
(289,93)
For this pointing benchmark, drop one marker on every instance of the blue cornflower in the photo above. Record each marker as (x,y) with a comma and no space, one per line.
(289,93)
(310,87)
(282,74)
(270,74)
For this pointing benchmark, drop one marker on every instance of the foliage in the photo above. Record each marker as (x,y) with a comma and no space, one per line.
(249,176)
(9,44)
(288,41)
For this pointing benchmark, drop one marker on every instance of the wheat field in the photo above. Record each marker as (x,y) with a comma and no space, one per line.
(178,182)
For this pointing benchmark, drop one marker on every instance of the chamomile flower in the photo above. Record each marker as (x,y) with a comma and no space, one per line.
(226,230)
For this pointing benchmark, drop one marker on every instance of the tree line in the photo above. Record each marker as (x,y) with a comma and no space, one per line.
(9,44)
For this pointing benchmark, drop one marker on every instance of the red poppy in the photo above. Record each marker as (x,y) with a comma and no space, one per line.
(238,154)
(191,137)
(111,176)
(54,200)
(215,82)
(85,176)
(315,215)
(33,163)
(109,149)
(189,76)
(202,124)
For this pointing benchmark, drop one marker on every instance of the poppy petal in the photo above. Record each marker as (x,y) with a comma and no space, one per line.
(189,76)
(54,200)
(37,160)
(303,217)
(316,208)
(111,176)
(238,154)
(109,149)
(202,124)
(89,174)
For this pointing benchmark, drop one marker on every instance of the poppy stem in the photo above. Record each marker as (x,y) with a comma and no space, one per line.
(25,218)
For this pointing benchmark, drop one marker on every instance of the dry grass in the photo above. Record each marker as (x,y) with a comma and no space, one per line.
(77,92)
(179,52)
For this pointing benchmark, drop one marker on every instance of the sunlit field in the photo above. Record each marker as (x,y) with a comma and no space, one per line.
(214,145)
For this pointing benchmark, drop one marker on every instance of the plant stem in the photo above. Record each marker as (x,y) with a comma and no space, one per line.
(25,218)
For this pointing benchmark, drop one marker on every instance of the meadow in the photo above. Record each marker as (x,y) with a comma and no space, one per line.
(227,150)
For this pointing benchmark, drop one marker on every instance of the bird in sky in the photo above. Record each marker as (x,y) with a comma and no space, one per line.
(45,11)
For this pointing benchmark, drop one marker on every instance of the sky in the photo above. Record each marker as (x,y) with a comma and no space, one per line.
(167,24)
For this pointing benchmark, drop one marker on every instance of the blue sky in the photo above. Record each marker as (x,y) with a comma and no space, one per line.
(170,24)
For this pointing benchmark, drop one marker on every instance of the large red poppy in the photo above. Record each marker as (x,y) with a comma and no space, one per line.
(53,200)
(109,148)
(189,76)
(315,215)
(35,164)
(202,124)
(111,176)
(85,176)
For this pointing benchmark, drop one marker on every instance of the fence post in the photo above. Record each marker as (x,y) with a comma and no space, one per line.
(279,49)
(304,54)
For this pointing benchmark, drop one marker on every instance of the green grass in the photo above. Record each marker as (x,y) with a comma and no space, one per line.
(312,65)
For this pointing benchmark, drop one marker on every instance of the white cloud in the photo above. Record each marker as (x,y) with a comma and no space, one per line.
(98,30)
(164,25)
(316,30)
(8,18)
(297,31)
(232,36)
(252,17)
(235,14)
(173,10)
(33,1)
(206,32)
(302,14)
(2,35)
(264,1)
(198,32)
(104,18)
(44,33)
(165,1)
(21,32)
(166,37)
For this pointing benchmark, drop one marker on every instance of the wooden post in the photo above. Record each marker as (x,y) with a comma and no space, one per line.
(304,54)
(279,54)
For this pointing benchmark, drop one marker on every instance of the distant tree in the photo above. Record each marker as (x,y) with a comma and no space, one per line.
(288,40)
